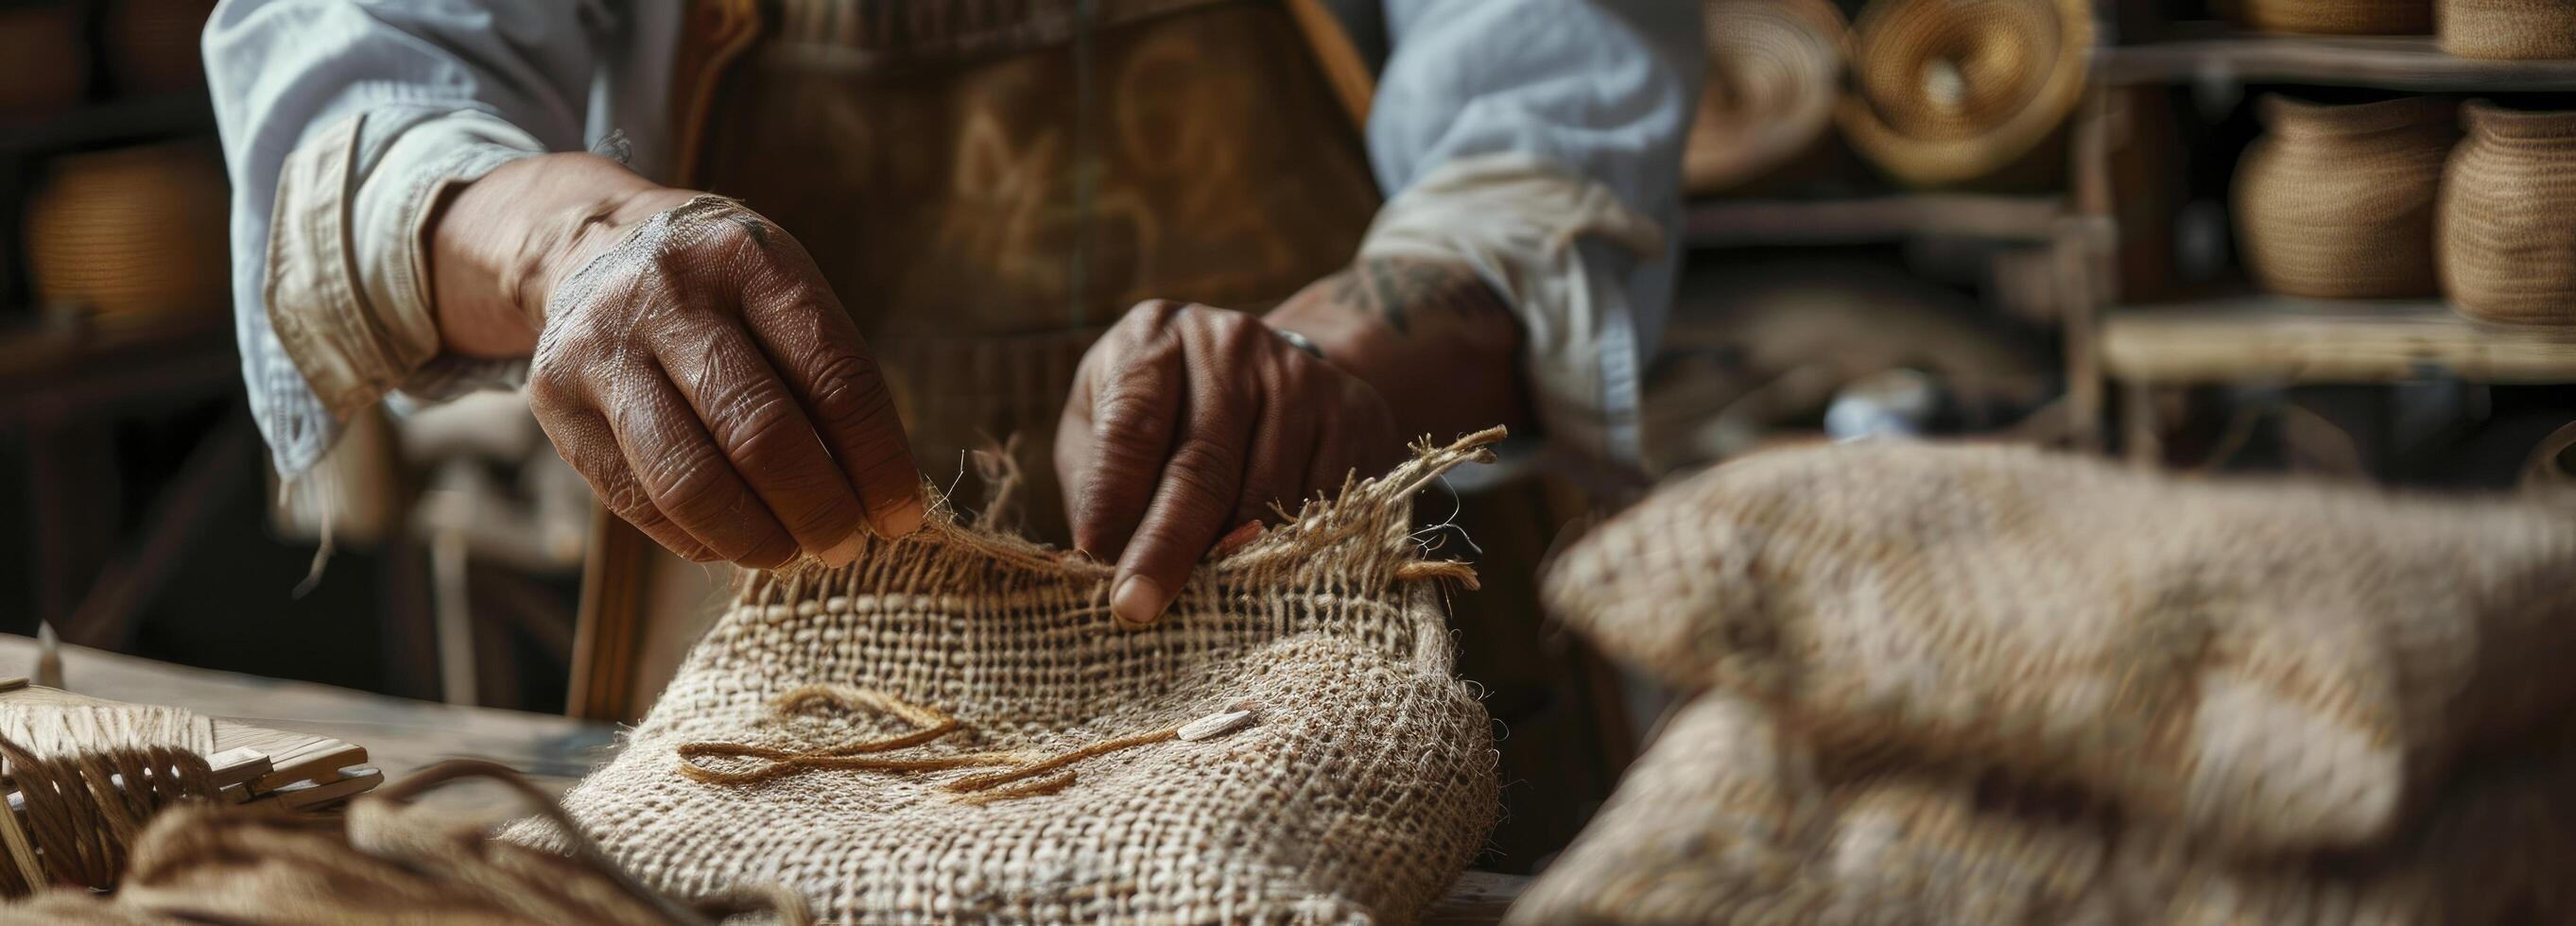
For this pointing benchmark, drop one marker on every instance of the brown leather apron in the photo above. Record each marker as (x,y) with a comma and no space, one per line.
(987,184)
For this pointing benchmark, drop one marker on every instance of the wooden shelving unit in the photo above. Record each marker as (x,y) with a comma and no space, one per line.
(2388,62)
(2275,339)
(2288,340)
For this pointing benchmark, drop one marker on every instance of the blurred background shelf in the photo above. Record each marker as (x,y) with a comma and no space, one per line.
(2391,62)
(1897,217)
(2326,341)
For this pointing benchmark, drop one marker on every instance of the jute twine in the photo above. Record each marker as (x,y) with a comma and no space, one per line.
(385,861)
(2508,28)
(956,728)
(2339,202)
(1775,68)
(2508,231)
(1952,91)
(2269,667)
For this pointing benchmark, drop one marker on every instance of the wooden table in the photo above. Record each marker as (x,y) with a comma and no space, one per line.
(402,736)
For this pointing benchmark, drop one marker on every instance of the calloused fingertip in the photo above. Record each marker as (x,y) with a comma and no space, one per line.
(1138,601)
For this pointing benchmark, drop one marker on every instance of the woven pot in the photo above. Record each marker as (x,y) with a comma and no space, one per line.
(45,57)
(2508,28)
(2338,17)
(1775,68)
(2337,202)
(131,233)
(1952,91)
(2508,228)
(152,45)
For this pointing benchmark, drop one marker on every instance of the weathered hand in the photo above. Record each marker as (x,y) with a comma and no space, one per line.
(1186,421)
(706,381)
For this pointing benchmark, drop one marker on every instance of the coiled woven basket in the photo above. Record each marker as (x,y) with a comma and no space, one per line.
(2508,28)
(2338,202)
(2338,17)
(1946,92)
(2508,228)
(135,232)
(1775,68)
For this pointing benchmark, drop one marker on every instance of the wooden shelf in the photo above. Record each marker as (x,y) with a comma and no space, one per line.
(2326,341)
(2391,62)
(1757,222)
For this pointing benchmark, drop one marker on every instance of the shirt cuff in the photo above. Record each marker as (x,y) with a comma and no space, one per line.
(348,287)
(1557,247)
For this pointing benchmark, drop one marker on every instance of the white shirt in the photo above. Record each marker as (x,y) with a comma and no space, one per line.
(1537,140)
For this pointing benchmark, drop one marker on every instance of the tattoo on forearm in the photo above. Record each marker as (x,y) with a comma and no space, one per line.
(1393,289)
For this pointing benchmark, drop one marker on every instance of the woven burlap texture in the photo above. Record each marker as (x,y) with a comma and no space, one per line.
(1362,788)
(2269,666)
(1733,817)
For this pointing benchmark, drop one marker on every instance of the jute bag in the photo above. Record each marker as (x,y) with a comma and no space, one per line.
(2267,666)
(1733,816)
(955,728)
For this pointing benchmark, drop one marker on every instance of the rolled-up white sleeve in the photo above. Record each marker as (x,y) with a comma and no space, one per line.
(1540,142)
(341,121)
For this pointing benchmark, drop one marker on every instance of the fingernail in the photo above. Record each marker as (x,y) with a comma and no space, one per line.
(844,552)
(903,519)
(1137,601)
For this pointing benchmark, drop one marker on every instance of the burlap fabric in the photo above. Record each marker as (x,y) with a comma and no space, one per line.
(2268,666)
(1362,786)
(2338,202)
(1734,817)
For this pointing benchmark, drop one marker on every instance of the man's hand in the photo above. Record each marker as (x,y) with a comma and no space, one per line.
(1186,421)
(698,372)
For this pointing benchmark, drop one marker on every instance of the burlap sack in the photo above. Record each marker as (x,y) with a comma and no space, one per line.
(956,728)
(1733,817)
(2271,666)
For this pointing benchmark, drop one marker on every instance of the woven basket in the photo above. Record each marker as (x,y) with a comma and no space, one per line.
(2508,220)
(1774,70)
(1952,91)
(2338,202)
(135,232)
(42,45)
(2508,28)
(2339,17)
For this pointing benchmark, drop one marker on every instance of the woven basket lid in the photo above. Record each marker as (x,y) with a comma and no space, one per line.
(1949,91)
(1774,70)
(131,232)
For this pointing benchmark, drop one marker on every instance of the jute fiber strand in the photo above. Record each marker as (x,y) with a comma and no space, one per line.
(2338,202)
(2339,17)
(87,781)
(1733,816)
(1951,91)
(956,728)
(1775,68)
(386,861)
(2268,666)
(2507,28)
(2508,232)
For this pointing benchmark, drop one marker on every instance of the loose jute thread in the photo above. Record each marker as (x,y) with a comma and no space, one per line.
(929,724)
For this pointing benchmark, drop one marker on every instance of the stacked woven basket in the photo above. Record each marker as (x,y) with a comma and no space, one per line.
(2385,200)
(1946,93)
